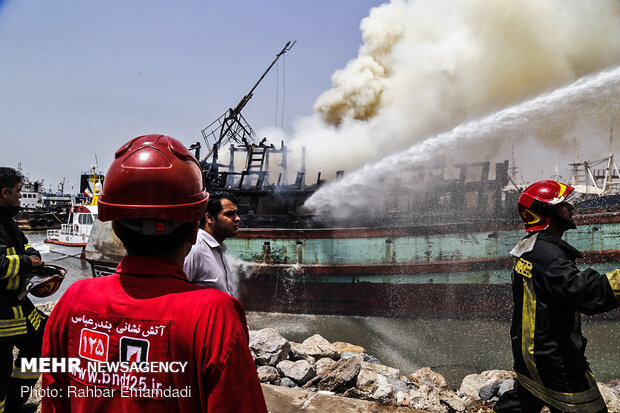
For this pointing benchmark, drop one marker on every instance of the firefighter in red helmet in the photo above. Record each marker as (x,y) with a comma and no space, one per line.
(189,344)
(550,293)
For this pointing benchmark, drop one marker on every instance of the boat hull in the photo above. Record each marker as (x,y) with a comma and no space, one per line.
(66,249)
(469,290)
(452,272)
(282,289)
(66,244)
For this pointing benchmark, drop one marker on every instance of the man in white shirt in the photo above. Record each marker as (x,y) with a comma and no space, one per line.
(206,263)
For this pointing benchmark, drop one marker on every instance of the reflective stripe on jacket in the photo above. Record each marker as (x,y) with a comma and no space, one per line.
(15,315)
(550,293)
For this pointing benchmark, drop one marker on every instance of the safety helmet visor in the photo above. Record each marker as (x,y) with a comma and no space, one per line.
(574,197)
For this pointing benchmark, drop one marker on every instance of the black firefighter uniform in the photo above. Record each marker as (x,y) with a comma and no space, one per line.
(548,347)
(21,324)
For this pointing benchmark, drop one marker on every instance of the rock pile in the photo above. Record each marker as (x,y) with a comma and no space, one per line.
(345,369)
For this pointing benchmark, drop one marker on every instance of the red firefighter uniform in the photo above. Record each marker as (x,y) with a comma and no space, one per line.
(550,292)
(131,321)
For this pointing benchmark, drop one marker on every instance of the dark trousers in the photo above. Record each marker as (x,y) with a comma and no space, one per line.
(15,387)
(519,400)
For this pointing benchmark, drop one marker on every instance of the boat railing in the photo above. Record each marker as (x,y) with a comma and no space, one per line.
(53,234)
(73,229)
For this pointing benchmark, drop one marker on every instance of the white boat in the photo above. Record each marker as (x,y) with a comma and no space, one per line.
(76,231)
(32,195)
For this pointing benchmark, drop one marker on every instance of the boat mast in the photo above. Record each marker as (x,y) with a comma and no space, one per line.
(612,168)
(232,126)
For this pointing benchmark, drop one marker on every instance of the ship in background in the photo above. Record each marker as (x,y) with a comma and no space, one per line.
(436,246)
(41,209)
(73,235)
(599,181)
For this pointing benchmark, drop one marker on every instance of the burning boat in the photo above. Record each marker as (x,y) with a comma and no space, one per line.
(439,247)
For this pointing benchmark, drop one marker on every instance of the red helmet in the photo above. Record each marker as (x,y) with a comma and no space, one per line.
(153,176)
(537,203)
(44,282)
(47,282)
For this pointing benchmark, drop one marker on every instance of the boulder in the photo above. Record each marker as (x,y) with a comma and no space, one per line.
(402,398)
(317,347)
(322,365)
(489,382)
(369,380)
(614,385)
(268,347)
(611,397)
(382,369)
(400,384)
(489,390)
(341,346)
(384,393)
(299,371)
(361,356)
(339,375)
(455,402)
(280,399)
(298,353)
(286,382)
(356,393)
(426,375)
(268,374)
(506,385)
(426,397)
(434,399)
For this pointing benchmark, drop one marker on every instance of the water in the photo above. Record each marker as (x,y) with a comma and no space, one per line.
(453,348)
(70,260)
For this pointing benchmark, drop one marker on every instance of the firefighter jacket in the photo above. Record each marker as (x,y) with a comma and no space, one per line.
(549,294)
(161,344)
(17,317)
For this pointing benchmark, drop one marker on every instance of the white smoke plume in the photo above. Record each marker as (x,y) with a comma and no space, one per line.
(361,188)
(427,66)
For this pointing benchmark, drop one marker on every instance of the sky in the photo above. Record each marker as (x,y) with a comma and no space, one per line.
(368,85)
(80,78)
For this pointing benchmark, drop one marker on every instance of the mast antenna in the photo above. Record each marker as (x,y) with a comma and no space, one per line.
(231,125)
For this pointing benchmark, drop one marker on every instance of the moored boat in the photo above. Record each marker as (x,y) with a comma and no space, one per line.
(75,232)
(41,210)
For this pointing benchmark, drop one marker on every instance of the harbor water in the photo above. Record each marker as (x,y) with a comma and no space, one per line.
(453,348)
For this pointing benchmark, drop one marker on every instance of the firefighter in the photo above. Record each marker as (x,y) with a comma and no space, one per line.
(21,324)
(550,293)
(148,312)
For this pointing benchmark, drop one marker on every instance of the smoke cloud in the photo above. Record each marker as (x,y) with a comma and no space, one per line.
(367,185)
(428,66)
